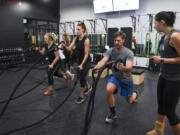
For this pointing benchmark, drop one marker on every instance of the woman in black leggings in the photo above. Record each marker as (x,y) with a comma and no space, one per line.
(82,47)
(51,50)
(168,89)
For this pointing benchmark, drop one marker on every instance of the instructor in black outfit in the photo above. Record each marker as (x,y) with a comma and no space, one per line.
(168,89)
(82,47)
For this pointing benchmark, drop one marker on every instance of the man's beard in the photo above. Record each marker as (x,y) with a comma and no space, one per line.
(119,46)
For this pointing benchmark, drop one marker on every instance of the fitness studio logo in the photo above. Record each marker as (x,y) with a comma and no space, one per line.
(10,2)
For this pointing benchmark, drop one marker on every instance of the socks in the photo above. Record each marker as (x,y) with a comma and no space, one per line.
(112,109)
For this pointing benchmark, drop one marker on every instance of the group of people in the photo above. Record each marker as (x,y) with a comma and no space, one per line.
(59,59)
(168,89)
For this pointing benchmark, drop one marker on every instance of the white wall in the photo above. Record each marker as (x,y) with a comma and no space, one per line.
(74,11)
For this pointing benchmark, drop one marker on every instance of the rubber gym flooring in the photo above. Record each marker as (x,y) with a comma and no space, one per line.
(133,119)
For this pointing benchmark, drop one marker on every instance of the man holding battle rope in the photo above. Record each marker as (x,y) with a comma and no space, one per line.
(121,76)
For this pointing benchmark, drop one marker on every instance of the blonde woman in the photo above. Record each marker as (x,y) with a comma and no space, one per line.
(51,50)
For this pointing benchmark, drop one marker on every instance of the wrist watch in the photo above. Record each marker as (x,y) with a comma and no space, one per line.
(162,60)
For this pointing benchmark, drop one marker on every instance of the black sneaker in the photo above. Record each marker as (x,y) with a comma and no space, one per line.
(110,118)
(87,91)
(80,100)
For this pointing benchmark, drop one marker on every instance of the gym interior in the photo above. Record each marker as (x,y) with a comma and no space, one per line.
(110,67)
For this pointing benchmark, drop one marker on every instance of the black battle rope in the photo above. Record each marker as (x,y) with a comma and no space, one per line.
(17,86)
(52,113)
(43,119)
(20,82)
(25,93)
(90,106)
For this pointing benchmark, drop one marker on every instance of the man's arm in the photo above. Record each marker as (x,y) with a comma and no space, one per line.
(129,64)
(102,63)
(127,68)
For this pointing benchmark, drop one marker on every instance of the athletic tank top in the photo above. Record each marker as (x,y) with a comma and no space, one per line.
(80,50)
(169,71)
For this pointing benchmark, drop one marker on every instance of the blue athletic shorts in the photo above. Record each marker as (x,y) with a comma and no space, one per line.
(126,87)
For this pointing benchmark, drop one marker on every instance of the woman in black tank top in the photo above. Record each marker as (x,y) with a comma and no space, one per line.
(168,89)
(51,50)
(82,47)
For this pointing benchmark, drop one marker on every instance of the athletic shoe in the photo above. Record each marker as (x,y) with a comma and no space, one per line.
(110,118)
(67,79)
(136,100)
(72,77)
(48,92)
(80,100)
(87,91)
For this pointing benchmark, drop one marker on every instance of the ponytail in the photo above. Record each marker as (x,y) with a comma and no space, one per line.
(52,36)
(83,26)
(168,16)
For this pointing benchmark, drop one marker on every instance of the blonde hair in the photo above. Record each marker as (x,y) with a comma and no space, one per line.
(67,37)
(52,36)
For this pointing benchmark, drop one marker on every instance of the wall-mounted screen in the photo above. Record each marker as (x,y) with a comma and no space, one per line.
(120,5)
(102,6)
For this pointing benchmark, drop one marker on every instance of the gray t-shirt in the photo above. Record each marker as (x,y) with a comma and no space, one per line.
(125,55)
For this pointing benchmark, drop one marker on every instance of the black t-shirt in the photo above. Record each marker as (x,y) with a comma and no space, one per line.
(50,52)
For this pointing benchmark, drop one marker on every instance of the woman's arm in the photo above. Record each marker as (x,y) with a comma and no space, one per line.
(86,51)
(172,60)
(175,43)
(40,51)
(56,59)
(72,45)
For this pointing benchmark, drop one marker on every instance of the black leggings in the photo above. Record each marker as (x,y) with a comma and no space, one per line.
(168,93)
(67,62)
(65,65)
(51,72)
(83,75)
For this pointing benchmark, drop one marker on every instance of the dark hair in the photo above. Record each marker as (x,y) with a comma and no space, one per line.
(120,34)
(168,16)
(83,26)
(63,42)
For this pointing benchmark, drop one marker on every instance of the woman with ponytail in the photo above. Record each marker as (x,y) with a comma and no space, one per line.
(168,89)
(82,48)
(51,50)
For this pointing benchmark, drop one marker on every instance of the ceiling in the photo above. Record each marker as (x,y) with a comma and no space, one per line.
(67,3)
